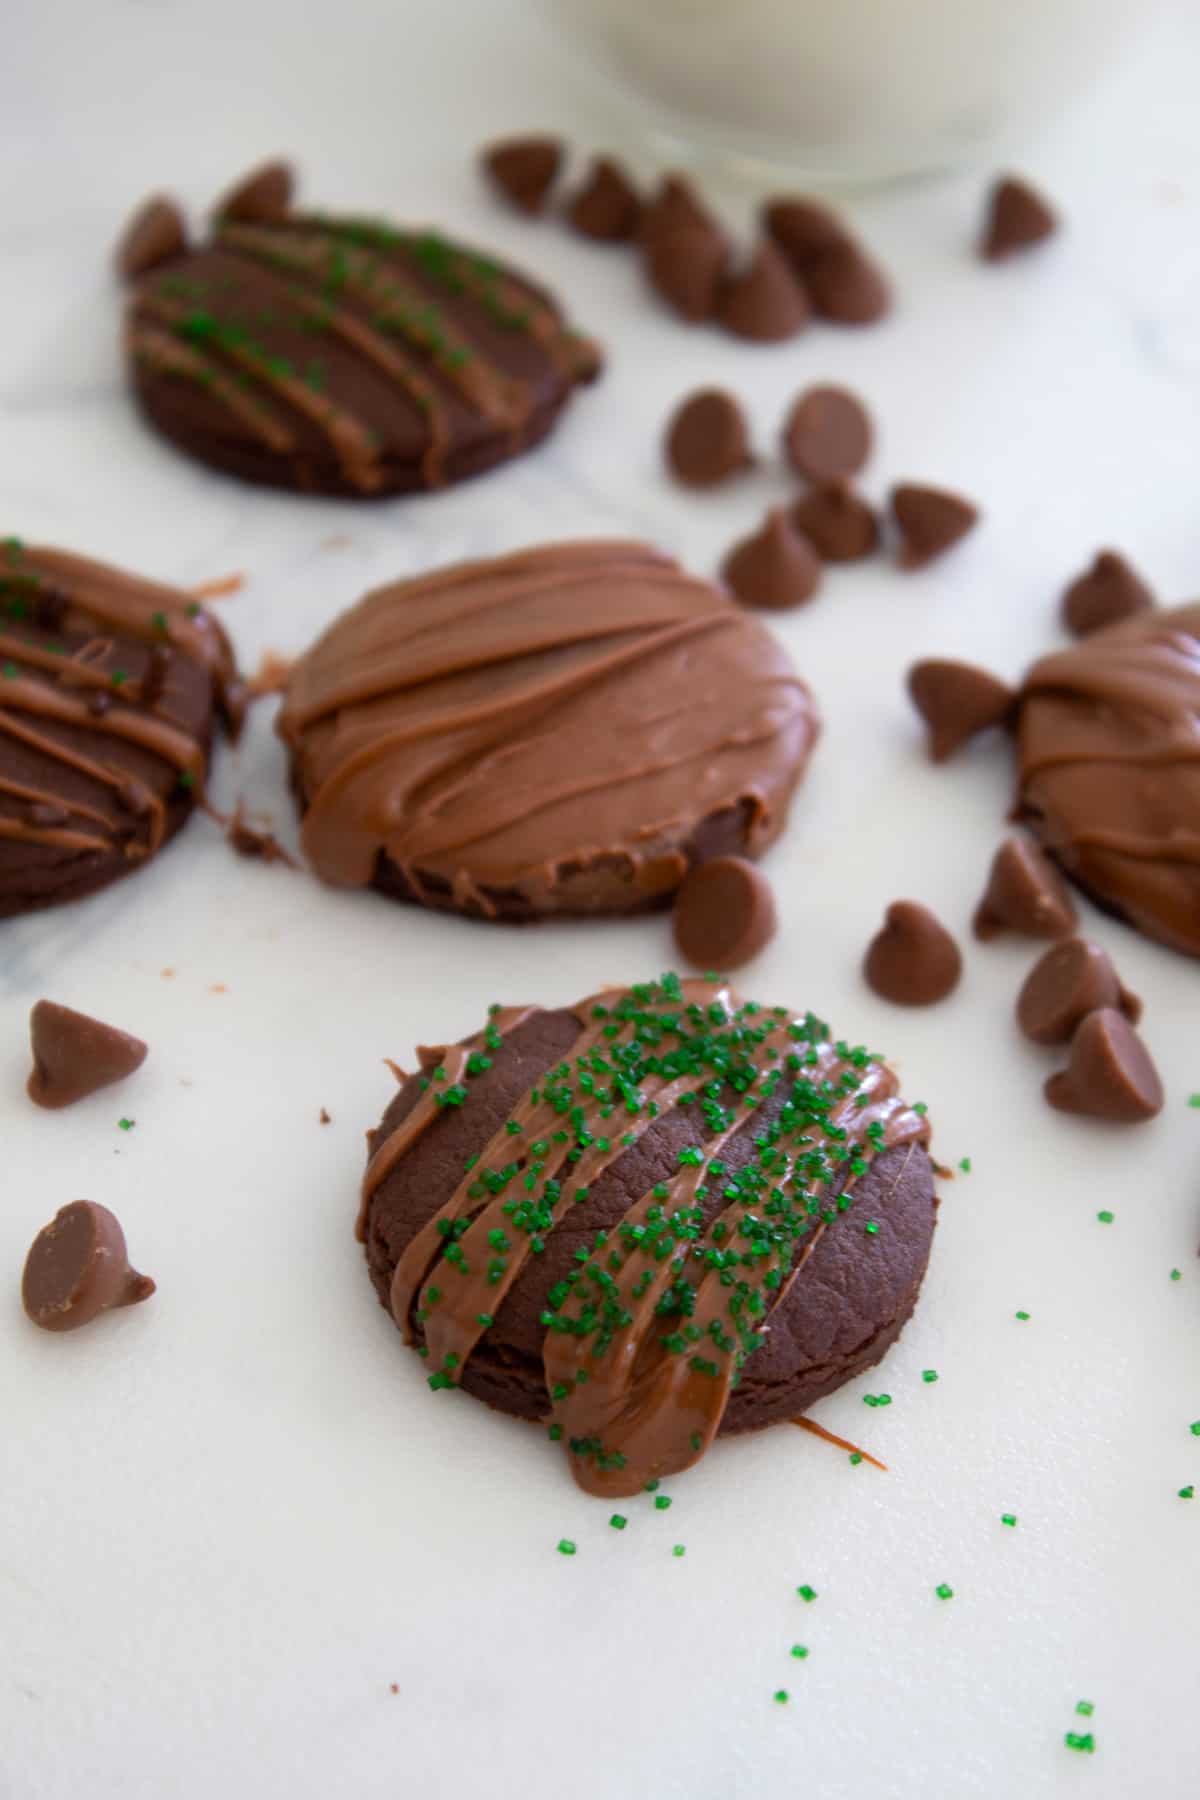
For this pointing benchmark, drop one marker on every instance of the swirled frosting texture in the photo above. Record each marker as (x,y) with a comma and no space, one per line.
(562,729)
(1108,747)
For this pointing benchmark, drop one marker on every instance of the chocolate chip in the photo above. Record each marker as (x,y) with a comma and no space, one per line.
(524,169)
(804,230)
(846,286)
(763,302)
(839,524)
(913,960)
(74,1055)
(607,206)
(152,237)
(1024,893)
(775,568)
(676,206)
(1016,217)
(957,700)
(1109,590)
(1063,986)
(685,266)
(263,196)
(78,1268)
(706,439)
(724,913)
(827,436)
(929,520)
(1110,1075)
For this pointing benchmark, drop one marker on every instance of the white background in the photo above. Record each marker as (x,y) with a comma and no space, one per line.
(231,1518)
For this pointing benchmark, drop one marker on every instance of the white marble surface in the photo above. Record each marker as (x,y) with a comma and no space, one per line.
(231,1519)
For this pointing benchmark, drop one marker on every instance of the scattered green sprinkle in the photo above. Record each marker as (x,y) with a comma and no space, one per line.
(679,1550)
(1176,1275)
(929,1374)
(1188,1492)
(10,671)
(651,1485)
(1194,1427)
(781,1696)
(871,1227)
(566,1546)
(965,1165)
(1194,1099)
(187,779)
(126,1124)
(1105,1217)
(856,1457)
(618,1521)
(1077,1740)
(192,611)
(799,1650)
(159,622)
(805,1592)
(944,1591)
(661,1502)
(1023,1315)
(1008,1518)
(554,1433)
(1085,1708)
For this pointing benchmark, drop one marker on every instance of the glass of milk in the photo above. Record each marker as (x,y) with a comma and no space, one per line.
(848,90)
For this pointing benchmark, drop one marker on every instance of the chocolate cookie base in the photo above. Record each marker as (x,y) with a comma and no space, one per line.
(842,1312)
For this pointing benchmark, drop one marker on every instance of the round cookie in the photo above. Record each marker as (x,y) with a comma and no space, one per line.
(565,730)
(657,1215)
(346,356)
(108,687)
(1108,759)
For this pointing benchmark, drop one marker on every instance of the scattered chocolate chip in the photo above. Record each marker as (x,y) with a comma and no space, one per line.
(1063,986)
(686,266)
(74,1055)
(839,524)
(1016,217)
(263,196)
(1024,893)
(775,568)
(763,302)
(1109,590)
(827,436)
(524,169)
(804,230)
(957,700)
(707,439)
(929,520)
(152,237)
(1110,1075)
(607,206)
(676,206)
(724,913)
(326,1118)
(78,1267)
(912,960)
(846,286)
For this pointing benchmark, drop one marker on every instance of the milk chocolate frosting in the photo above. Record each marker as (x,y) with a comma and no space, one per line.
(1108,747)
(565,729)
(108,684)
(347,356)
(658,1214)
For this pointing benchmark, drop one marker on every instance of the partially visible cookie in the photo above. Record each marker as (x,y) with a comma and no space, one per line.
(567,729)
(344,355)
(578,1215)
(108,688)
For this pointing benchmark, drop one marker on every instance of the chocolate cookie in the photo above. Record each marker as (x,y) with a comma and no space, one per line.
(563,730)
(108,686)
(347,356)
(1108,755)
(658,1215)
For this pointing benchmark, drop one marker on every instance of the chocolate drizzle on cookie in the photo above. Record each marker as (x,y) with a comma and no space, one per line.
(539,732)
(353,357)
(647,1336)
(107,686)
(1108,748)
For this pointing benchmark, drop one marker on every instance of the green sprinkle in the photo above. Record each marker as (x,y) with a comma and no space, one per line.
(944,1591)
(661,1502)
(119,677)
(929,1374)
(1008,1518)
(554,1433)
(1105,1217)
(485,1319)
(650,1485)
(192,611)
(856,1457)
(1194,1428)
(799,1650)
(965,1165)
(618,1521)
(1188,1492)
(1076,1740)
(10,671)
(679,1550)
(159,622)
(781,1696)
(1194,1099)
(187,779)
(871,1227)
(566,1546)
(126,1124)
(806,1593)
(1176,1275)
(1023,1315)
(1084,1708)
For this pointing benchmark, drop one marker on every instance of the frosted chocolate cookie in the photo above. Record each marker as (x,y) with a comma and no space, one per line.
(659,1215)
(564,730)
(339,355)
(108,688)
